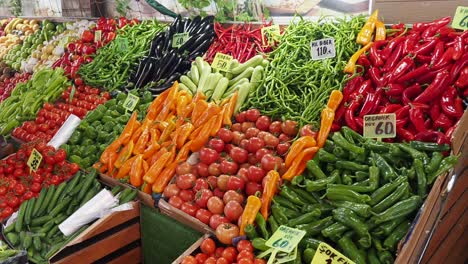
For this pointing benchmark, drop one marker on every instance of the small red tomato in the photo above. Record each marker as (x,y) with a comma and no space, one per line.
(202,169)
(229,167)
(251,188)
(255,144)
(230,254)
(200,183)
(35,187)
(244,245)
(252,132)
(202,197)
(204,216)
(233,210)
(252,115)
(275,127)
(240,118)
(176,201)
(201,258)
(238,155)
(189,260)
(235,183)
(208,155)
(282,148)
(214,169)
(263,123)
(225,135)
(187,195)
(216,144)
(189,208)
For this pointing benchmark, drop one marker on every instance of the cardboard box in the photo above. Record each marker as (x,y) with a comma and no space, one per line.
(114,238)
(145,198)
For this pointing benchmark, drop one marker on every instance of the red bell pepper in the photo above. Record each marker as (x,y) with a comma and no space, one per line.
(435,89)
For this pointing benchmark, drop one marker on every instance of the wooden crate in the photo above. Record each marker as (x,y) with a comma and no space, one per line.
(145,198)
(112,239)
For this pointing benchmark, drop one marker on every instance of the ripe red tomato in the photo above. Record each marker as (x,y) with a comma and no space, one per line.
(35,187)
(200,183)
(263,123)
(275,127)
(216,144)
(245,261)
(208,155)
(176,201)
(240,118)
(214,169)
(233,210)
(282,148)
(201,258)
(216,220)
(255,144)
(233,195)
(246,125)
(6,212)
(226,232)
(239,155)
(13,201)
(243,174)
(235,183)
(212,182)
(260,261)
(225,135)
(202,197)
(210,260)
(204,216)
(222,260)
(289,128)
(28,195)
(255,174)
(189,260)
(187,195)
(252,115)
(208,246)
(60,155)
(189,208)
(237,137)
(20,189)
(270,162)
(183,168)
(252,132)
(244,245)
(230,254)
(185,181)
(202,169)
(229,167)
(171,190)
(215,205)
(271,141)
(3,190)
(251,188)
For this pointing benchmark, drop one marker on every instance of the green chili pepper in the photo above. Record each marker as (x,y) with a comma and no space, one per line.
(361,175)
(445,165)
(261,224)
(279,215)
(316,227)
(284,202)
(351,220)
(297,181)
(385,190)
(329,146)
(250,231)
(434,163)
(308,255)
(342,142)
(346,178)
(385,169)
(349,165)
(415,154)
(386,257)
(314,169)
(334,230)
(321,184)
(343,194)
(304,195)
(289,213)
(323,207)
(350,250)
(305,218)
(260,244)
(391,199)
(363,210)
(386,229)
(372,256)
(340,152)
(310,242)
(272,223)
(399,209)
(426,146)
(325,156)
(396,235)
(377,146)
(421,175)
(289,194)
(348,133)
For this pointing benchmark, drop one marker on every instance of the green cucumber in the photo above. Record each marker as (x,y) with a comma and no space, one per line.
(128,197)
(40,220)
(37,243)
(27,242)
(29,209)
(71,185)
(60,207)
(39,201)
(87,184)
(12,238)
(19,220)
(48,198)
(56,196)
(116,190)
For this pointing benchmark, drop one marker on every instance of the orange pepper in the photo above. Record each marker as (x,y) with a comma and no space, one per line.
(218,123)
(183,134)
(146,188)
(195,133)
(157,155)
(110,164)
(327,117)
(145,166)
(155,169)
(230,110)
(140,145)
(101,168)
(167,105)
(299,163)
(182,102)
(269,191)
(136,171)
(167,131)
(250,212)
(203,136)
(124,154)
(154,146)
(131,126)
(187,112)
(211,111)
(125,169)
(137,134)
(156,106)
(184,152)
(199,108)
(113,147)
(164,178)
(297,147)
(335,99)
(351,65)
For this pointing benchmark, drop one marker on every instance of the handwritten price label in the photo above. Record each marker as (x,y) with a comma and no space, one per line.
(179,39)
(380,126)
(131,102)
(34,160)
(322,49)
(221,62)
(325,254)
(270,35)
(122,44)
(97,36)
(285,239)
(460,19)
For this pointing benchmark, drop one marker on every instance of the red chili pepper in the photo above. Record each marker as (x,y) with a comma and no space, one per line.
(340,111)
(376,77)
(449,132)
(431,136)
(443,122)
(445,60)
(435,111)
(369,103)
(438,52)
(435,89)
(447,103)
(458,48)
(428,123)
(359,123)
(401,68)
(458,66)
(392,44)
(416,116)
(410,44)
(391,108)
(374,55)
(411,92)
(421,70)
(423,58)
(349,114)
(363,61)
(393,59)
(351,87)
(401,123)
(462,81)
(430,76)
(405,134)
(440,23)
(365,88)
(394,89)
(402,112)
(426,48)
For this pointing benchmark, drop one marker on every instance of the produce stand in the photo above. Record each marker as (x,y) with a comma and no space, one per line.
(195,141)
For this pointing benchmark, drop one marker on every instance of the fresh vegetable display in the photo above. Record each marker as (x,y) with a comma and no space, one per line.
(19,184)
(16,31)
(21,52)
(216,86)
(419,74)
(297,87)
(358,194)
(83,50)
(9,83)
(147,153)
(210,253)
(52,116)
(114,62)
(36,228)
(241,41)
(26,99)
(101,127)
(170,54)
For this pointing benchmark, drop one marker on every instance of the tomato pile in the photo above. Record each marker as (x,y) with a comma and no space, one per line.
(18,184)
(82,51)
(210,254)
(232,165)
(51,117)
(8,84)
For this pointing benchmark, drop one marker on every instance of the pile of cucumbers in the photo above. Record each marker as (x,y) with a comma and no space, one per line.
(36,229)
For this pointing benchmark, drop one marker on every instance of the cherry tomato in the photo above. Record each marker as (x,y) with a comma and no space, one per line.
(244,245)
(246,125)
(238,155)
(7,211)
(35,187)
(189,208)
(243,174)
(187,195)
(251,188)
(263,123)
(202,169)
(233,195)
(237,137)
(271,141)
(225,135)
(210,260)
(229,167)
(203,215)
(212,182)
(13,201)
(176,201)
(208,155)
(260,261)
(282,148)
(60,155)
(233,210)
(28,195)
(256,174)
(3,190)
(229,254)
(222,260)
(216,144)
(185,181)
(270,162)
(226,232)
(215,205)
(255,144)
(216,220)
(214,169)
(275,127)
(308,130)
(235,183)
(289,128)
(222,182)
(252,115)
(171,190)
(189,260)
(252,132)
(202,197)
(20,189)
(183,168)
(201,258)
(201,183)
(240,118)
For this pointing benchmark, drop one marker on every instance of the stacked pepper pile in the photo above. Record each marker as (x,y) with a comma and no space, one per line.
(420,74)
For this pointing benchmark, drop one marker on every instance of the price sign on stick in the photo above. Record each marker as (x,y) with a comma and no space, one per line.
(122,44)
(285,238)
(380,126)
(34,160)
(97,35)
(221,62)
(270,35)
(179,39)
(325,254)
(460,19)
(322,49)
(131,102)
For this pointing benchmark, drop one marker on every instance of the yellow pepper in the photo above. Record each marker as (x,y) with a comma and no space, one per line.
(351,65)
(365,35)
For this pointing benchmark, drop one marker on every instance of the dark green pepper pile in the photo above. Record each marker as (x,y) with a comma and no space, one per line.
(101,127)
(358,195)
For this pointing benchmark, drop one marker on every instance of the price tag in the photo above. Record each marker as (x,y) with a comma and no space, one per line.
(325,254)
(122,44)
(34,160)
(460,19)
(179,39)
(380,126)
(285,239)
(270,35)
(322,49)
(97,35)
(221,62)
(131,102)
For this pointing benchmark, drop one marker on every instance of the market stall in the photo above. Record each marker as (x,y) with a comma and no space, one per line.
(316,141)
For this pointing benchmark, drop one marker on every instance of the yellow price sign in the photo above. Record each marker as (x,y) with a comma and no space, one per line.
(179,39)
(325,254)
(460,19)
(222,62)
(34,160)
(270,35)
(97,35)
(131,102)
(380,126)
(285,238)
